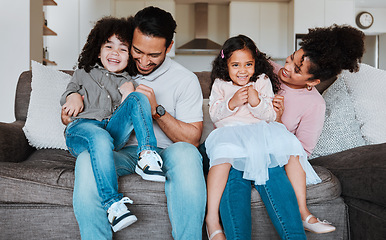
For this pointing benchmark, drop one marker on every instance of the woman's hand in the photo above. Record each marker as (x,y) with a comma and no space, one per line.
(278,106)
(253,97)
(239,98)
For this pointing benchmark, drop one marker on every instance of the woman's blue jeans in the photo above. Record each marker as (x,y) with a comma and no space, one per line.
(100,138)
(185,191)
(279,199)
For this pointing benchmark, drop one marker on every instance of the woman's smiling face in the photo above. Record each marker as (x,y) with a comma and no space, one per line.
(295,73)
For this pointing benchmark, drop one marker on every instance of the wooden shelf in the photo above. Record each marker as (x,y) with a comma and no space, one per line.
(48,62)
(48,32)
(49,3)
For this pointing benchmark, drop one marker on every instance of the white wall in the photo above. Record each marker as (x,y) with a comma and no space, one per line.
(14,41)
(72,20)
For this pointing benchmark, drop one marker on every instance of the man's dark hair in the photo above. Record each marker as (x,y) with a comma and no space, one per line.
(155,22)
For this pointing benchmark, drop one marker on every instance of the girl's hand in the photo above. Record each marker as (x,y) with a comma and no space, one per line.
(125,89)
(74,104)
(278,106)
(239,98)
(253,97)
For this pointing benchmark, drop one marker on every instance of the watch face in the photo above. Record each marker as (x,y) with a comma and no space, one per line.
(364,20)
(160,110)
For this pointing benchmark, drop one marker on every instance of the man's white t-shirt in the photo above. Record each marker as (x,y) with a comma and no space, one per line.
(178,90)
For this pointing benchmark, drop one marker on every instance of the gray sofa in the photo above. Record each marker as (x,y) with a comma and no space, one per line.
(36,189)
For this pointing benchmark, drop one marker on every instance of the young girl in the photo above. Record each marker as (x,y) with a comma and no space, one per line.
(246,135)
(105,109)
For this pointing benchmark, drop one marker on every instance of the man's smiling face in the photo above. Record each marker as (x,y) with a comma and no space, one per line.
(148,52)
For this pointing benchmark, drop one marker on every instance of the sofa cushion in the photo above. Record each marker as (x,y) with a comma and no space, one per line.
(49,173)
(361,172)
(43,127)
(341,129)
(367,91)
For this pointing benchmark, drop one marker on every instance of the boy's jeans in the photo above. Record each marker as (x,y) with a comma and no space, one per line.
(100,138)
(185,191)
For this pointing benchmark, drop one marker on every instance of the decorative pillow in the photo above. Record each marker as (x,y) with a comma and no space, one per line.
(367,91)
(341,130)
(43,127)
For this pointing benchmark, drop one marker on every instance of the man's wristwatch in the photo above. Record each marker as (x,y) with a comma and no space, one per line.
(159,112)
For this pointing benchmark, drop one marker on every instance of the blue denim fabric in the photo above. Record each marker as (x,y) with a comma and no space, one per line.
(184,187)
(279,199)
(100,138)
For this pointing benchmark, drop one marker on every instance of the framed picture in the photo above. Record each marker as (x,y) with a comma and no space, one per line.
(298,40)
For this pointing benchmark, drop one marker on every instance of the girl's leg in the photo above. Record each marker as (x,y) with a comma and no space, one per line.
(216,182)
(297,177)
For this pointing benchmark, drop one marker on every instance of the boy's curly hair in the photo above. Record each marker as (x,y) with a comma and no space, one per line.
(332,50)
(262,65)
(102,31)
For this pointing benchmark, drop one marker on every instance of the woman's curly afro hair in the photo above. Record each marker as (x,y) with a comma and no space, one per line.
(332,50)
(102,31)
(240,42)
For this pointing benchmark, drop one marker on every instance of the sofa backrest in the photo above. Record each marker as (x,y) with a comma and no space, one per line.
(23,91)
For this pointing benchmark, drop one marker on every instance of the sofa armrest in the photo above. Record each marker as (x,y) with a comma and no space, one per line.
(14,146)
(361,171)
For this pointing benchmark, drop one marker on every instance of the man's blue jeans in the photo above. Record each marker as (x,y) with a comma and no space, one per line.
(100,138)
(184,187)
(279,199)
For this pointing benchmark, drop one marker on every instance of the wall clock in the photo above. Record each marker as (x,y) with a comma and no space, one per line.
(364,20)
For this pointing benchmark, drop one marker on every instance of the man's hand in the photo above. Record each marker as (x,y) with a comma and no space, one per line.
(149,93)
(74,104)
(125,89)
(278,106)
(239,98)
(253,97)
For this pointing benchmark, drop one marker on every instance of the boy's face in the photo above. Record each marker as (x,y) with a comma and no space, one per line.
(114,55)
(148,52)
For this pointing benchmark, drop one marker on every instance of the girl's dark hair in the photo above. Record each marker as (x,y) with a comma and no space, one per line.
(156,22)
(262,65)
(332,50)
(102,31)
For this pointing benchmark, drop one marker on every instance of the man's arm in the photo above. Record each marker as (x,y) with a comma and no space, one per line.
(175,130)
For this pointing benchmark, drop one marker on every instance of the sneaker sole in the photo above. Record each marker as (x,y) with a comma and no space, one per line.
(124,223)
(156,178)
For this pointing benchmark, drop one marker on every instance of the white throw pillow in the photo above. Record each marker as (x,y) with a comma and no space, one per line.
(367,91)
(43,127)
(341,130)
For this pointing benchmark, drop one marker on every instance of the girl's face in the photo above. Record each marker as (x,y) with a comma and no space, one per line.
(114,55)
(295,74)
(241,66)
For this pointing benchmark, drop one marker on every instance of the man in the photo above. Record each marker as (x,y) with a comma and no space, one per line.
(175,97)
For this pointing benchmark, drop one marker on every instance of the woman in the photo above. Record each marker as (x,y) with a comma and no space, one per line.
(324,53)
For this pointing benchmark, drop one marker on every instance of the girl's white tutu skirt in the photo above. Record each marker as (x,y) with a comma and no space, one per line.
(256,147)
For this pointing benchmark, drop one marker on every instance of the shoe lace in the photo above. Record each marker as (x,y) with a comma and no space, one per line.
(154,157)
(120,205)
